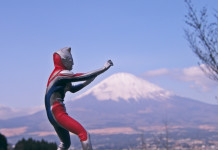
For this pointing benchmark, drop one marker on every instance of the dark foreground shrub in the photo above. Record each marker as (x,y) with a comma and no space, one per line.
(31,144)
(3,142)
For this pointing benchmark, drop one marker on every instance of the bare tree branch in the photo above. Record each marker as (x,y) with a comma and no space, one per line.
(203,38)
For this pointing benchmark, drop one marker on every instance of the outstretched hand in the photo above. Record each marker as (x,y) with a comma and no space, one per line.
(108,64)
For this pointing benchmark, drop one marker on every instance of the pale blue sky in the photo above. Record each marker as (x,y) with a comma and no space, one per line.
(137,35)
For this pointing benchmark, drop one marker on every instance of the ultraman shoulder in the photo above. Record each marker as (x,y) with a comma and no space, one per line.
(67,72)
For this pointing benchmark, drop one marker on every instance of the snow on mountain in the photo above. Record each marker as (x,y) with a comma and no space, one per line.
(126,86)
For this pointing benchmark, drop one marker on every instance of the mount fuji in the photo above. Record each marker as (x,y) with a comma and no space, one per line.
(126,86)
(126,100)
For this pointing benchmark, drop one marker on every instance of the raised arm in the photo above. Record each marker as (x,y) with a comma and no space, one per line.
(75,88)
(67,75)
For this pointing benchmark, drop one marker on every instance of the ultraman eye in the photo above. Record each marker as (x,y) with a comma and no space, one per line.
(66,59)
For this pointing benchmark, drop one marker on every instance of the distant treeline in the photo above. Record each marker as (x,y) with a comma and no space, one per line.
(28,144)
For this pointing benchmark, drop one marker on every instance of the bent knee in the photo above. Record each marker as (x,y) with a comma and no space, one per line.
(83,135)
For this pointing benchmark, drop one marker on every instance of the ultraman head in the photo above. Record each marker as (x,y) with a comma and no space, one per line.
(66,57)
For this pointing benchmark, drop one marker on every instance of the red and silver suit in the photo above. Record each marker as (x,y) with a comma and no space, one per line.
(58,84)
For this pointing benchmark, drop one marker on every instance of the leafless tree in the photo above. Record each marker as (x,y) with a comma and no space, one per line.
(202,37)
(162,140)
(143,142)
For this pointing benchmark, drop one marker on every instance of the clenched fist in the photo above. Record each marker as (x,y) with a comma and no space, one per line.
(108,64)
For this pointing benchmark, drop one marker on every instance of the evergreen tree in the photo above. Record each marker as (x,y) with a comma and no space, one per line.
(31,144)
(3,142)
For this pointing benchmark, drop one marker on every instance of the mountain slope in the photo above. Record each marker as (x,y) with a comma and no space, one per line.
(126,100)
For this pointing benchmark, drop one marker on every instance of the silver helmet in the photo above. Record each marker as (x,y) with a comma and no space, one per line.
(66,57)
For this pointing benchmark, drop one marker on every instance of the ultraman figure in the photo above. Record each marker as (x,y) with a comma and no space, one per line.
(58,84)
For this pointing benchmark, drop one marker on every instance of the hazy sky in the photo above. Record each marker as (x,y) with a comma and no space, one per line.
(141,37)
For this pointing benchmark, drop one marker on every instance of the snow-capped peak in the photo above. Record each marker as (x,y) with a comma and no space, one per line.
(126,86)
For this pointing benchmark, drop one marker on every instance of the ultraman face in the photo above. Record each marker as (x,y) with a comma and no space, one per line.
(66,57)
(68,63)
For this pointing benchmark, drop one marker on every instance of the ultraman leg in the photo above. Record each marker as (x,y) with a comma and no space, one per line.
(64,137)
(68,123)
(87,145)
